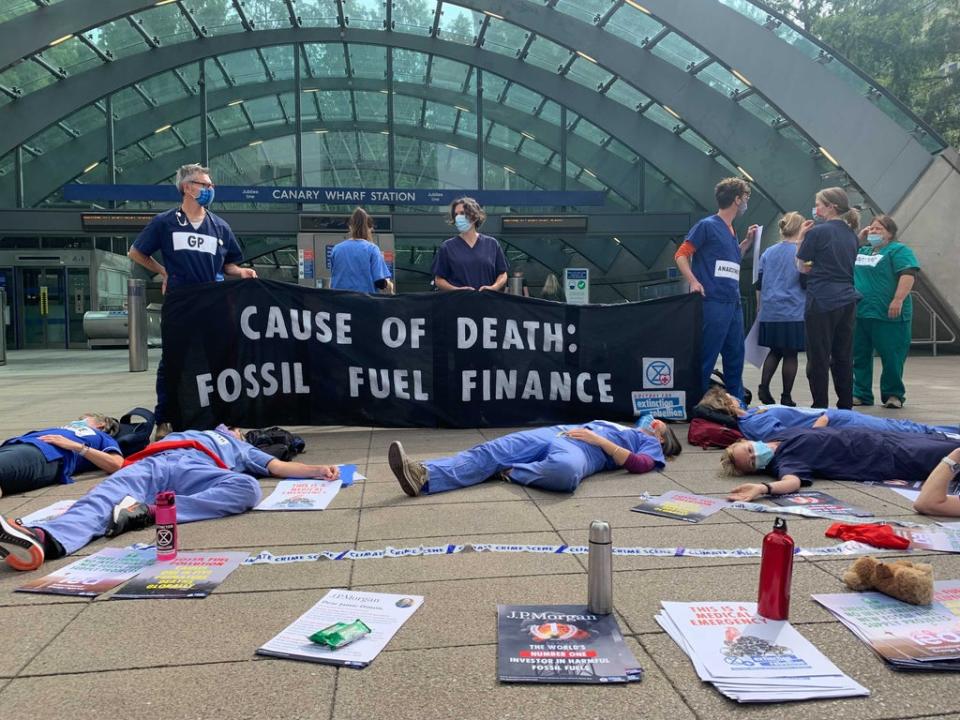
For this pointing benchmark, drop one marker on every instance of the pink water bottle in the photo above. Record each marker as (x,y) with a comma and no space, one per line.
(166,526)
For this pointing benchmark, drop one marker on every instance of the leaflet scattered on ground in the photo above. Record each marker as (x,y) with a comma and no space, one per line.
(680,505)
(911,490)
(908,637)
(821,502)
(940,539)
(50,512)
(95,574)
(190,575)
(383,613)
(561,644)
(301,495)
(749,658)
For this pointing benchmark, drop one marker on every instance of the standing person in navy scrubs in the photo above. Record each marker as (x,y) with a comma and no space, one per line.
(197,247)
(470,260)
(709,259)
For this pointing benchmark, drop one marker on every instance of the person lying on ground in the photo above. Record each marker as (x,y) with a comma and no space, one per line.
(798,456)
(552,458)
(51,456)
(211,472)
(766,421)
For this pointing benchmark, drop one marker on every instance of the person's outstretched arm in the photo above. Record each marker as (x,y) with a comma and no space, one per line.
(283,469)
(634,462)
(108,462)
(933,498)
(748,492)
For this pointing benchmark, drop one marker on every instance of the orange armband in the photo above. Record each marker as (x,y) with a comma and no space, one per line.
(686,250)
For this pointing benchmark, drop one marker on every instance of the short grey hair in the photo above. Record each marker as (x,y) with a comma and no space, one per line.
(188,172)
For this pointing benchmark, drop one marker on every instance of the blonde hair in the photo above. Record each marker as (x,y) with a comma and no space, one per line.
(837,198)
(716,399)
(551,286)
(728,466)
(790,224)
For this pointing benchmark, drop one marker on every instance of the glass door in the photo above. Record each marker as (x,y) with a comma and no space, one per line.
(43,299)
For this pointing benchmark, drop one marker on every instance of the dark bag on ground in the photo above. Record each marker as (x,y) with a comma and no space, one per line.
(715,416)
(276,441)
(135,436)
(707,434)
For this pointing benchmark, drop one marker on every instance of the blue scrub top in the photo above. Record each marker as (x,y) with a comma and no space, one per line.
(716,263)
(190,255)
(627,437)
(766,421)
(465,266)
(237,455)
(781,297)
(357,265)
(71,461)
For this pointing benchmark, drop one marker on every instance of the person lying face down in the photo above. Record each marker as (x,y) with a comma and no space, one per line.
(212,472)
(552,458)
(800,455)
(766,421)
(51,456)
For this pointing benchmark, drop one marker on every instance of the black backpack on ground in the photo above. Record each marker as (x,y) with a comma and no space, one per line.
(135,436)
(717,379)
(276,441)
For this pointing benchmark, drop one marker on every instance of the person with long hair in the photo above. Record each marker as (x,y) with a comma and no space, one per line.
(884,275)
(781,300)
(551,288)
(469,260)
(357,263)
(827,254)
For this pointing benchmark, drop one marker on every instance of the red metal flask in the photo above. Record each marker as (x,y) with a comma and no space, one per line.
(776,571)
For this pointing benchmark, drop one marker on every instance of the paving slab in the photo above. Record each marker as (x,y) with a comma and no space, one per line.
(454,683)
(618,483)
(390,495)
(254,529)
(450,520)
(576,512)
(28,630)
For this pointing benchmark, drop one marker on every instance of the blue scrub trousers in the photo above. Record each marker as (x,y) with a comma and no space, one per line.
(203,491)
(538,458)
(723,336)
(851,418)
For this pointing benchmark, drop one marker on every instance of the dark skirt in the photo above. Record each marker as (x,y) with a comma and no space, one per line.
(782,335)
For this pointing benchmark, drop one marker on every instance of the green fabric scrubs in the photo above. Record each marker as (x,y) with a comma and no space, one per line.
(876,275)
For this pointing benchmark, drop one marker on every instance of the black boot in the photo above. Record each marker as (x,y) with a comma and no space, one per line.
(785,399)
(764,396)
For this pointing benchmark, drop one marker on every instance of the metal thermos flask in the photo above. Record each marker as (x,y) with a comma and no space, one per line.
(600,569)
(776,571)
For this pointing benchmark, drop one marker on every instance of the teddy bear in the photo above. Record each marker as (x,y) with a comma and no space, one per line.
(900,579)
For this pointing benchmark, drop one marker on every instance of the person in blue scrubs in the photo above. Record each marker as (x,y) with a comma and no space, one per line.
(709,260)
(553,458)
(469,260)
(211,472)
(196,246)
(51,456)
(768,421)
(356,263)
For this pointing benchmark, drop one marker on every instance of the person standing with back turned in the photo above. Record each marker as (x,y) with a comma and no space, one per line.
(197,247)
(356,263)
(826,255)
(709,259)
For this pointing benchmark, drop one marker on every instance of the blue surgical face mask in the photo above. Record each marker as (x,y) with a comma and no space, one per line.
(79,424)
(762,454)
(205,197)
(645,422)
(875,239)
(462,223)
(742,210)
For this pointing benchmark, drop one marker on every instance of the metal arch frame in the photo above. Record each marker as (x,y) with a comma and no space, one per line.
(691,170)
(60,166)
(882,158)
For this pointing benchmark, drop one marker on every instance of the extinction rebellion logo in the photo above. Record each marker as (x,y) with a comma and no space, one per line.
(657,373)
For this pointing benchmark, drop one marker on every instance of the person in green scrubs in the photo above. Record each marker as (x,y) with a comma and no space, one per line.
(884,275)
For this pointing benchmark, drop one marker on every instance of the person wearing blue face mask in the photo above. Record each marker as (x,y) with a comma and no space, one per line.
(469,260)
(884,275)
(709,260)
(196,247)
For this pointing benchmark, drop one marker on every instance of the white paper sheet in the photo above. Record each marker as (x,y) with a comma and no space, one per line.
(753,352)
(301,495)
(757,242)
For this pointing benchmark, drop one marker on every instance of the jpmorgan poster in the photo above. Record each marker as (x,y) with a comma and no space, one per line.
(256,353)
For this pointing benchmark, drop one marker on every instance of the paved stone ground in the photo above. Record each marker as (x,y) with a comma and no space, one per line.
(73,658)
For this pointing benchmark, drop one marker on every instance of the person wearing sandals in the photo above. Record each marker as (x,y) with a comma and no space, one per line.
(780,302)
(884,275)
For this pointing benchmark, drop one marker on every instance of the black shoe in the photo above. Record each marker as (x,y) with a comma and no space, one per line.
(764,396)
(787,401)
(129,514)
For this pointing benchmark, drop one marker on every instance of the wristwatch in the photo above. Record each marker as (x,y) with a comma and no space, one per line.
(767,486)
(951,463)
(83,451)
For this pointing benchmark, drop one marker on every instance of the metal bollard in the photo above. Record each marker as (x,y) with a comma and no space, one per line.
(3,326)
(137,324)
(515,286)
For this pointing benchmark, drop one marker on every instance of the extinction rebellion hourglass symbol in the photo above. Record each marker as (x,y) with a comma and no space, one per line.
(165,537)
(658,373)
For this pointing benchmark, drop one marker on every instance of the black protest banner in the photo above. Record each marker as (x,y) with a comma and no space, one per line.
(257,353)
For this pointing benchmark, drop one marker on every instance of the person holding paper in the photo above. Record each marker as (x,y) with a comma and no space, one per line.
(211,472)
(884,275)
(47,457)
(767,421)
(799,456)
(780,303)
(553,458)
(709,260)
